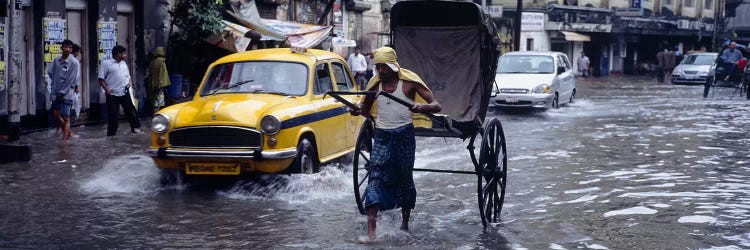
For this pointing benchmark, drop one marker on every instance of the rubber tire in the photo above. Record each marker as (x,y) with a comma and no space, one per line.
(572,97)
(305,152)
(556,102)
(707,86)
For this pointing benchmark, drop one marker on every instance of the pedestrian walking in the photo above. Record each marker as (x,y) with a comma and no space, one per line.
(76,109)
(661,67)
(158,80)
(391,182)
(583,64)
(114,78)
(358,64)
(64,73)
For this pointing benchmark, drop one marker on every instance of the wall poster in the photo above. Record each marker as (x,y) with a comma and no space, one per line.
(107,36)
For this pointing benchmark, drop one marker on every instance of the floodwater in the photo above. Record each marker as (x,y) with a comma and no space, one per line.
(630,165)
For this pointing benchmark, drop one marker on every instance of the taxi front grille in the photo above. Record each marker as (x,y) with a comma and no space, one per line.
(215,137)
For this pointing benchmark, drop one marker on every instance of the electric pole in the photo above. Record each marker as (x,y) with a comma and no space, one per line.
(517,26)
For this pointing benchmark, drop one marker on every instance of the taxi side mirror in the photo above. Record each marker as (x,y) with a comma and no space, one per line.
(560,70)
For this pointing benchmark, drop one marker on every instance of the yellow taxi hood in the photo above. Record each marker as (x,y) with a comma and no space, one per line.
(227,109)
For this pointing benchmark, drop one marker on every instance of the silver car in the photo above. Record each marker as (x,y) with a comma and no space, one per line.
(534,80)
(693,69)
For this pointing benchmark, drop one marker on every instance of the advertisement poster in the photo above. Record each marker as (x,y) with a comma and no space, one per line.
(2,54)
(107,36)
(54,34)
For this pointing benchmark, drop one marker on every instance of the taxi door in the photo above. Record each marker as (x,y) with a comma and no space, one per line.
(331,116)
(345,82)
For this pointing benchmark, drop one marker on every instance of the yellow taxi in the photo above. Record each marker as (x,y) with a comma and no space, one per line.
(260,111)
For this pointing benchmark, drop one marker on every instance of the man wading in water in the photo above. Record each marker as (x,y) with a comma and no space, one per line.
(391,183)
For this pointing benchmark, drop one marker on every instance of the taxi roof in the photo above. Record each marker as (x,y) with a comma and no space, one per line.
(279,54)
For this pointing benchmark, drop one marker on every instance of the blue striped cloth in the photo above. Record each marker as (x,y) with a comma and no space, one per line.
(391,184)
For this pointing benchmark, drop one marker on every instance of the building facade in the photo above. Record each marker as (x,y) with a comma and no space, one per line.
(611,32)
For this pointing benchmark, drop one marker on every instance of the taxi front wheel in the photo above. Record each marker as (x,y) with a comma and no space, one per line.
(306,160)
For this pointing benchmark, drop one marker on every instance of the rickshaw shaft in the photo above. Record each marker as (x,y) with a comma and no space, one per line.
(443,171)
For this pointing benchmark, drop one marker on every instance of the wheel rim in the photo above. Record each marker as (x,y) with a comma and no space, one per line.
(492,173)
(359,165)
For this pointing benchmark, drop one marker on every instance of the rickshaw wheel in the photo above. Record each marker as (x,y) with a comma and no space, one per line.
(359,165)
(492,173)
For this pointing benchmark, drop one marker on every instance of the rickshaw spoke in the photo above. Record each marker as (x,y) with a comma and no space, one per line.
(364,156)
(364,178)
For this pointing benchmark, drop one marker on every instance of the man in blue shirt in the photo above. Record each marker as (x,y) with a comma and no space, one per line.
(64,73)
(730,57)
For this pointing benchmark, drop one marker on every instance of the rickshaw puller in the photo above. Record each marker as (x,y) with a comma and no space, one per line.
(391,182)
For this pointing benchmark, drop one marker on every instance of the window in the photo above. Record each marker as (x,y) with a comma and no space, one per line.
(690,3)
(283,78)
(323,82)
(529,44)
(343,79)
(668,2)
(709,4)
(517,64)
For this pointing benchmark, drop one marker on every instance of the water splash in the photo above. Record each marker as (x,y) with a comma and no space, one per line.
(332,182)
(129,174)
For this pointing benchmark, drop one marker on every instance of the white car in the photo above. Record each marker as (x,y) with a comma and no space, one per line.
(534,80)
(694,68)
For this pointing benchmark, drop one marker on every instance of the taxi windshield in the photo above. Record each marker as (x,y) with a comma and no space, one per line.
(526,64)
(280,78)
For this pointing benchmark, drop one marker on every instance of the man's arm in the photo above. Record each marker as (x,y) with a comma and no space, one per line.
(432,107)
(725,57)
(104,86)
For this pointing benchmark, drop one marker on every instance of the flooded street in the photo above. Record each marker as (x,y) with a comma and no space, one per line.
(630,165)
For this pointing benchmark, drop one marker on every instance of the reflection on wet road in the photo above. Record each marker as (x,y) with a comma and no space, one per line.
(629,165)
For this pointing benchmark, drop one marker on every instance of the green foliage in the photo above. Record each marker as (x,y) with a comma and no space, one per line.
(197,19)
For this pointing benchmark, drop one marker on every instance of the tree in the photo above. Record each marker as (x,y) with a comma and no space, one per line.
(192,21)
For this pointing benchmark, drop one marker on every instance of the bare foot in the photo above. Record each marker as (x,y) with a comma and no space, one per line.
(365,240)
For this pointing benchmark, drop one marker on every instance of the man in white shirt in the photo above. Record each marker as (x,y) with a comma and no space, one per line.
(114,77)
(583,64)
(358,64)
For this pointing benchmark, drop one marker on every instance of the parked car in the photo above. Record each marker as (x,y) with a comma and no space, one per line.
(693,69)
(260,111)
(534,80)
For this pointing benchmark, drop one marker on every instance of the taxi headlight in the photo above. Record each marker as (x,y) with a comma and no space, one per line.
(270,125)
(541,89)
(159,124)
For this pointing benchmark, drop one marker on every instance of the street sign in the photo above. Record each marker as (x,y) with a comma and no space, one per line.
(495,10)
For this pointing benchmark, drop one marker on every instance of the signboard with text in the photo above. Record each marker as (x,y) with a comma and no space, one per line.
(532,21)
(54,34)
(107,37)
(495,10)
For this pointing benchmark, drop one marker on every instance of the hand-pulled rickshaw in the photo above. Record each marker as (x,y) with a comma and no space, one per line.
(453,46)
(738,81)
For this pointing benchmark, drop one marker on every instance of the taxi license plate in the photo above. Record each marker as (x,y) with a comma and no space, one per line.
(512,99)
(212,168)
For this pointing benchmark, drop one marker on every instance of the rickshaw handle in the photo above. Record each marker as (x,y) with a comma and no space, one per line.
(337,96)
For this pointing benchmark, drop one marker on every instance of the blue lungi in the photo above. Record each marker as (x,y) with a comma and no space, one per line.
(391,183)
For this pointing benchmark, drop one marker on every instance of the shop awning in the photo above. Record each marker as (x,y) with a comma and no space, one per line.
(576,37)
(290,33)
